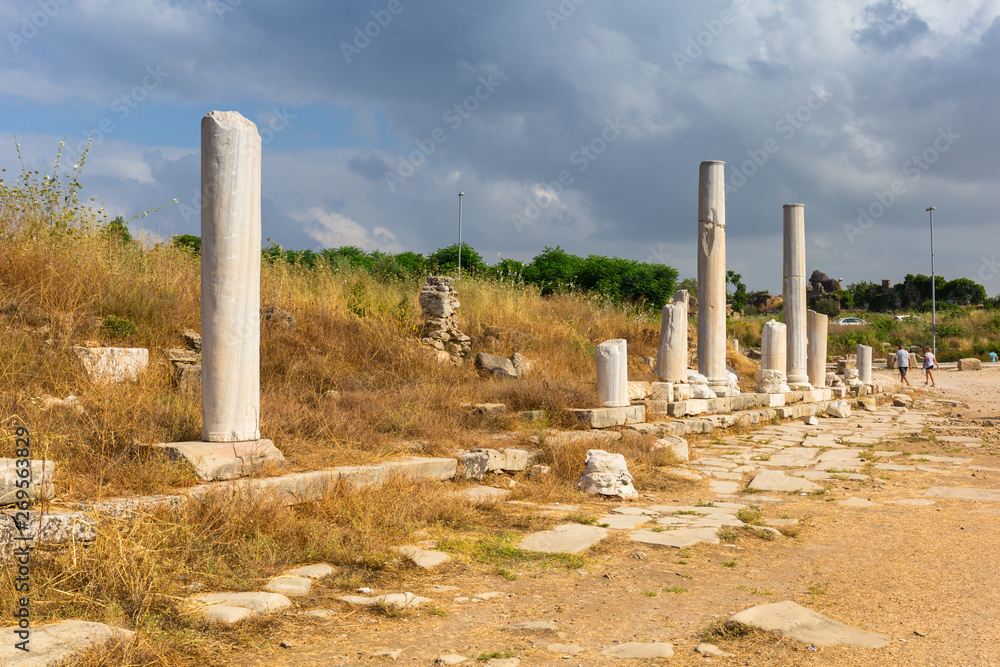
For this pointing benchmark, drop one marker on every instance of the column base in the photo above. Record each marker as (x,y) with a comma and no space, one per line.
(799,386)
(224,460)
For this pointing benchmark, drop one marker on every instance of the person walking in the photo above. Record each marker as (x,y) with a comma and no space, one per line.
(993,356)
(903,364)
(930,363)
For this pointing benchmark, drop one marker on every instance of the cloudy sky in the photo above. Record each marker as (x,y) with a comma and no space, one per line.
(575,122)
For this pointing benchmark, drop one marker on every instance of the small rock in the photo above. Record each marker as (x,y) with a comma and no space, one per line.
(450,659)
(920,633)
(711,650)
(331,394)
(392,654)
(637,650)
(809,421)
(285,644)
(640,555)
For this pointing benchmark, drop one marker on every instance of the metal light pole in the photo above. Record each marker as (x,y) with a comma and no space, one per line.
(460,195)
(930,211)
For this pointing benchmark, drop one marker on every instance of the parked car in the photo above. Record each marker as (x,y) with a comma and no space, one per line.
(851,321)
(901,318)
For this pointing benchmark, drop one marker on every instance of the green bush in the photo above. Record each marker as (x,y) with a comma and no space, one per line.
(188,242)
(118,327)
(827,306)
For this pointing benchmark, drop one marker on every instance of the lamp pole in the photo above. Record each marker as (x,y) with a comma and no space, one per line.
(930,211)
(460,195)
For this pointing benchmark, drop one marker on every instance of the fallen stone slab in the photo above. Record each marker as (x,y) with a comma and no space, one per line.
(775,480)
(609,417)
(482,495)
(55,643)
(113,364)
(683,537)
(224,460)
(606,474)
(570,538)
(639,651)
(397,600)
(961,493)
(675,444)
(893,467)
(807,626)
(918,502)
(234,607)
(628,510)
(422,558)
(289,585)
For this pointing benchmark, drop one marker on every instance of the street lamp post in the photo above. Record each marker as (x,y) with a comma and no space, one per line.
(460,195)
(930,211)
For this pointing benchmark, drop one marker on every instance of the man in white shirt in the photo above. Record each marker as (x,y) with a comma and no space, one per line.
(903,364)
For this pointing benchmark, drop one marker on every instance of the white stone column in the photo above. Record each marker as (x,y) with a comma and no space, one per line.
(773,340)
(712,276)
(794,295)
(865,364)
(230,277)
(818,327)
(612,373)
(672,353)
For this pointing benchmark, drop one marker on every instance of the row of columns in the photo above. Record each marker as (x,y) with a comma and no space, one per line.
(796,348)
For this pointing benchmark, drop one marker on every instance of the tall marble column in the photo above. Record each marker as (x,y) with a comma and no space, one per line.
(794,295)
(865,364)
(230,277)
(672,353)
(817,324)
(612,373)
(712,276)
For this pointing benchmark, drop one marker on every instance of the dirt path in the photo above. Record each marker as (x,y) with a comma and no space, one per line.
(890,568)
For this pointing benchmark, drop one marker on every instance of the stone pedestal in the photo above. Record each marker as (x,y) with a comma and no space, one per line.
(712,275)
(794,296)
(230,278)
(672,354)
(612,373)
(817,324)
(865,364)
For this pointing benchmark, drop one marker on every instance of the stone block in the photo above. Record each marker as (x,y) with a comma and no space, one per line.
(838,392)
(716,405)
(695,406)
(516,460)
(970,364)
(606,474)
(40,473)
(113,364)
(890,361)
(839,409)
(656,408)
(485,408)
(639,390)
(662,391)
(677,445)
(683,392)
(188,378)
(807,626)
(224,460)
(490,365)
(608,417)
(775,400)
(794,397)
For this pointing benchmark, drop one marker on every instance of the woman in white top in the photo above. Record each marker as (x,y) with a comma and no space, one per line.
(930,362)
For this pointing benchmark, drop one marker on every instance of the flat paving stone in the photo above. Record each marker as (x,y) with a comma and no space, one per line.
(315,571)
(857,502)
(918,502)
(954,460)
(422,558)
(290,586)
(532,626)
(639,651)
(261,603)
(56,642)
(482,495)
(633,511)
(570,538)
(775,480)
(618,522)
(564,649)
(684,537)
(892,467)
(723,488)
(807,626)
(961,493)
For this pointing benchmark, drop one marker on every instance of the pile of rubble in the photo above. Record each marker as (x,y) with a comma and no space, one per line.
(439,303)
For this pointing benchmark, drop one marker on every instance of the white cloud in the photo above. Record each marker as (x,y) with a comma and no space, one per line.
(333,230)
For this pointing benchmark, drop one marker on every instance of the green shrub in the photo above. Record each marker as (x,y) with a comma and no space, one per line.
(118,327)
(827,306)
